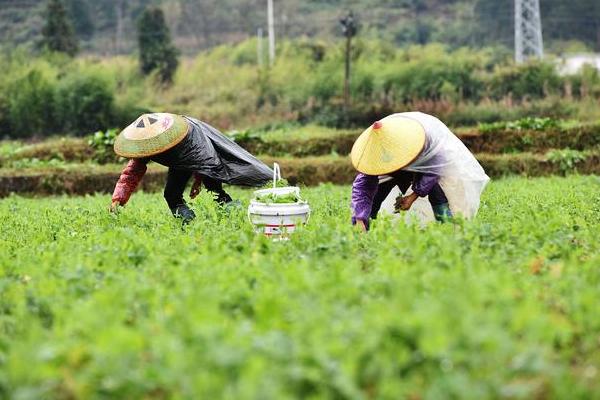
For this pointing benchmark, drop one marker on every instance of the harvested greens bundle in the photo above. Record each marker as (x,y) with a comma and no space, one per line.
(270,198)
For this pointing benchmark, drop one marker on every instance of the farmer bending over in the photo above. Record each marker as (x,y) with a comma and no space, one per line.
(188,147)
(414,150)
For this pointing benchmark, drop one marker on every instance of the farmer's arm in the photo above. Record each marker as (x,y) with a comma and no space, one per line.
(422,186)
(128,181)
(196,185)
(364,189)
(424,183)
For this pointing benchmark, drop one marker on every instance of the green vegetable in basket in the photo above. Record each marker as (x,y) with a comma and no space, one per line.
(278,199)
(279,183)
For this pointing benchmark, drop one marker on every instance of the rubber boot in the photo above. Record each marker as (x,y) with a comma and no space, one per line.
(184,212)
(442,212)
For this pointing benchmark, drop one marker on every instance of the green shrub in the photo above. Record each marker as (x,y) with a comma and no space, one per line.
(358,115)
(586,82)
(532,80)
(327,82)
(245,53)
(4,115)
(428,72)
(462,87)
(31,105)
(85,103)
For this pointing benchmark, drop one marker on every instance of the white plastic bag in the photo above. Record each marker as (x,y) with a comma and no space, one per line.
(461,177)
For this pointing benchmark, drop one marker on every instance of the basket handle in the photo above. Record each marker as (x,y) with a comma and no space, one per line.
(276,174)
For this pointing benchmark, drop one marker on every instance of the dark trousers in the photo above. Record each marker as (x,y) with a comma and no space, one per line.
(403,179)
(177,181)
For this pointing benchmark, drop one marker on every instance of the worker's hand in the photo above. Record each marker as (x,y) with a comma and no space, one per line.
(195,190)
(406,202)
(361,224)
(114,207)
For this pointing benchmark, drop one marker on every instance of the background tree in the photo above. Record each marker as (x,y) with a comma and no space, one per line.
(81,14)
(197,20)
(58,33)
(572,20)
(157,52)
(349,29)
(108,26)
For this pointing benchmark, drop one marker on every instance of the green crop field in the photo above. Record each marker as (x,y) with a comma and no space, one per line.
(133,306)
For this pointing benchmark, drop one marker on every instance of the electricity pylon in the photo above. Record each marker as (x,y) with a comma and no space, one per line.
(528,30)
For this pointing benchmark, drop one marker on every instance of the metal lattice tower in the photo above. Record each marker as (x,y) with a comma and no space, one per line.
(528,30)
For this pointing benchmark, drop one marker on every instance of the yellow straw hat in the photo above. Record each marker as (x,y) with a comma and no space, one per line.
(151,134)
(388,145)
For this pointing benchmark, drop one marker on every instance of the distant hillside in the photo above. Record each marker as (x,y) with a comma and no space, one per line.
(108,26)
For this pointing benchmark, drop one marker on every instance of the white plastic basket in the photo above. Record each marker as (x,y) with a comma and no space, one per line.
(277,219)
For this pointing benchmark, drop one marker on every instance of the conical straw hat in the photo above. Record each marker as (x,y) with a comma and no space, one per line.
(151,134)
(388,145)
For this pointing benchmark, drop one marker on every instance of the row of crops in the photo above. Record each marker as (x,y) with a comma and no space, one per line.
(308,154)
(135,305)
(131,306)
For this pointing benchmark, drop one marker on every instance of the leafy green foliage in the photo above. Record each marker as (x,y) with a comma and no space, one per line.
(57,95)
(28,163)
(460,86)
(31,104)
(534,79)
(272,198)
(566,159)
(279,183)
(103,142)
(244,135)
(277,198)
(587,82)
(528,123)
(157,53)
(85,102)
(95,306)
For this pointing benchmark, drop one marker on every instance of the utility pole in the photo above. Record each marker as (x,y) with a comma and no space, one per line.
(349,29)
(119,27)
(528,30)
(271,22)
(259,47)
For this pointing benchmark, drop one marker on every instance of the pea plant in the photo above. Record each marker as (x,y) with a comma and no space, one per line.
(132,305)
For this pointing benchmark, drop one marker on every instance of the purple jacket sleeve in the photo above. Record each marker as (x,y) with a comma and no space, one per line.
(364,189)
(424,183)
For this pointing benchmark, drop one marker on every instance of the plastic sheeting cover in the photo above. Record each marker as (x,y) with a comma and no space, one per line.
(207,151)
(461,177)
